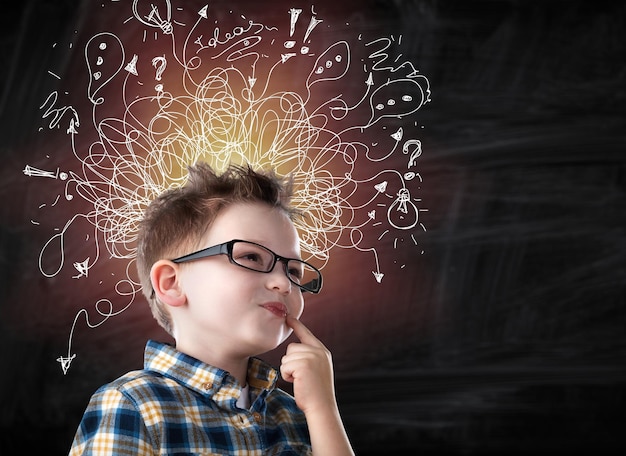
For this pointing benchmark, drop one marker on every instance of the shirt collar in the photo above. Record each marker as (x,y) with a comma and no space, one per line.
(204,378)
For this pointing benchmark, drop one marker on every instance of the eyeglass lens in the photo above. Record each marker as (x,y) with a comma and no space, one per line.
(259,258)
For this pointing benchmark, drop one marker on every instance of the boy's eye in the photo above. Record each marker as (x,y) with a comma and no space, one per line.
(251,257)
(295,273)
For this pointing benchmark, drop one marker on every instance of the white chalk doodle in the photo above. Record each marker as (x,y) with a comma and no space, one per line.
(94,49)
(57,113)
(229,96)
(31,171)
(158,16)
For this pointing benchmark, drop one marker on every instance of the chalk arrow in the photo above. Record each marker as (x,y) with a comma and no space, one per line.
(285,57)
(132,65)
(381,187)
(378,276)
(36,172)
(65,363)
(72,127)
(398,134)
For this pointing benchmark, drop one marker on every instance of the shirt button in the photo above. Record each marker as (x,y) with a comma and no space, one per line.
(207,386)
(257,417)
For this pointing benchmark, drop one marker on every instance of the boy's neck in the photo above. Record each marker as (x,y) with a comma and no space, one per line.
(235,366)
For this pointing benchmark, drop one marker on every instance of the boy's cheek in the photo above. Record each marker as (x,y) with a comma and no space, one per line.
(299,308)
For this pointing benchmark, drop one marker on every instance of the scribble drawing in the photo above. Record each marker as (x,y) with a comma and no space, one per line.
(57,114)
(235,93)
(107,312)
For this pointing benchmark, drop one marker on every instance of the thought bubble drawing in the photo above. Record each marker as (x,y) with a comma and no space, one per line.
(104,55)
(398,99)
(331,65)
(224,88)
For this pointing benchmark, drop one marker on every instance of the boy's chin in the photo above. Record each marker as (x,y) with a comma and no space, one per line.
(286,333)
(264,348)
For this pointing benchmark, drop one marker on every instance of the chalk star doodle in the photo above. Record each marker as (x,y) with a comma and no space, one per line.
(230,89)
(82,268)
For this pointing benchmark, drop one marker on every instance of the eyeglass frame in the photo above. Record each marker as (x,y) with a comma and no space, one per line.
(226,248)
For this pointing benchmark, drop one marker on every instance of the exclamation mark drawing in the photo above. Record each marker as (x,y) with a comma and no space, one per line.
(312,24)
(295,14)
(291,43)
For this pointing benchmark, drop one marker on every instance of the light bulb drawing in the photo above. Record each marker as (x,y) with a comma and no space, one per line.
(153,15)
(402,213)
(234,99)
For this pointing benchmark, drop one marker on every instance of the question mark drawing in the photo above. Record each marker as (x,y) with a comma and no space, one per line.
(415,153)
(159,62)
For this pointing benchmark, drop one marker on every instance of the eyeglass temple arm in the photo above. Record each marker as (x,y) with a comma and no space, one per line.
(313,284)
(210,251)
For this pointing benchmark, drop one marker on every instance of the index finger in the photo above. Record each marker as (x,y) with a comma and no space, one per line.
(303,333)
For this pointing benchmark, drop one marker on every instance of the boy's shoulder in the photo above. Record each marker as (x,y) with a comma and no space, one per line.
(142,383)
(170,376)
(134,378)
(146,390)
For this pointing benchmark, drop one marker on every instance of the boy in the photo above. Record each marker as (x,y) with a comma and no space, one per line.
(229,300)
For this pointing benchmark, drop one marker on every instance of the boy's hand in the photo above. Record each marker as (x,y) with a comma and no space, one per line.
(308,365)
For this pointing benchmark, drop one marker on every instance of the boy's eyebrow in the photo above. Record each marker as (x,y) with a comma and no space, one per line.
(264,244)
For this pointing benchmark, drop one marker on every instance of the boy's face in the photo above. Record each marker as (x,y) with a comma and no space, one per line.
(232,309)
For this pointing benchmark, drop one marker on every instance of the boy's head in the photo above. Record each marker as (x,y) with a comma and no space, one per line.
(178,220)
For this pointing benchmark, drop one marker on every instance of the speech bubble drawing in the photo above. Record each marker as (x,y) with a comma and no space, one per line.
(398,98)
(104,55)
(331,65)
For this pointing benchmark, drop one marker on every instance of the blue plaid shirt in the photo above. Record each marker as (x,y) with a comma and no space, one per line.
(179,405)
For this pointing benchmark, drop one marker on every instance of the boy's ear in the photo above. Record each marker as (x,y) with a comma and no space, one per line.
(164,278)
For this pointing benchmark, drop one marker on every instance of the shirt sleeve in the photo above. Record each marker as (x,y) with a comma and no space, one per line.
(111,425)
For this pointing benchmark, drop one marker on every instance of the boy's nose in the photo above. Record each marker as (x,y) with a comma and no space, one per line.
(277,279)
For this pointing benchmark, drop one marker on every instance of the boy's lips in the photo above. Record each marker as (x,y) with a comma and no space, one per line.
(277,308)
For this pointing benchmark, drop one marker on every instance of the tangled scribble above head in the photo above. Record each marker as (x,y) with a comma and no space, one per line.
(215,126)
(238,92)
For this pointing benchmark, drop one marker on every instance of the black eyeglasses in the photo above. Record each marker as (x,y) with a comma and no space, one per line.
(253,256)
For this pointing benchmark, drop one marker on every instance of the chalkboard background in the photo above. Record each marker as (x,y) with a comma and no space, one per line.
(506,335)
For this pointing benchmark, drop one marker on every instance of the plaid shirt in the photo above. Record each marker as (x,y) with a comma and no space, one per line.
(179,405)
